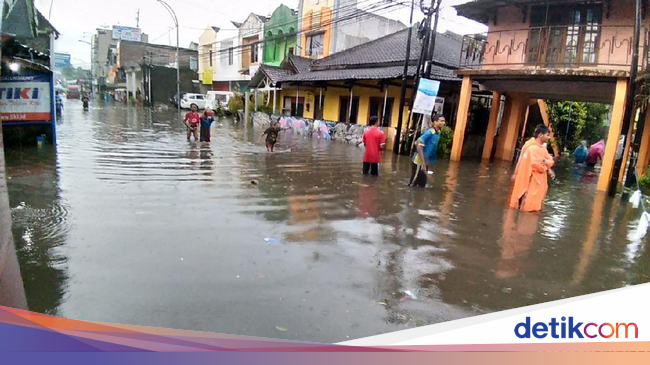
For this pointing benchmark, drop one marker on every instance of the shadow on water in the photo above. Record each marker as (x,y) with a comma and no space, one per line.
(135,225)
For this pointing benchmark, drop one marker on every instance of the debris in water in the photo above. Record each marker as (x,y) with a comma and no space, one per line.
(430,172)
(507,290)
(281,329)
(382,303)
(409,295)
(271,240)
(181,259)
(255,182)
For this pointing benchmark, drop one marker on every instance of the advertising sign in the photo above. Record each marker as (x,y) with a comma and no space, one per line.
(425,99)
(62,60)
(440,105)
(207,77)
(25,98)
(127,33)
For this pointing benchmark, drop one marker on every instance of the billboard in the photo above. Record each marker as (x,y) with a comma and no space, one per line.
(25,98)
(62,60)
(127,33)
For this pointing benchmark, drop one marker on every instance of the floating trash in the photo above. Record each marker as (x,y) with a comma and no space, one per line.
(271,240)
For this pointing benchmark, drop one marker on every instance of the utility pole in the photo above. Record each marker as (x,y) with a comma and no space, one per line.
(629,105)
(137,19)
(178,62)
(402,102)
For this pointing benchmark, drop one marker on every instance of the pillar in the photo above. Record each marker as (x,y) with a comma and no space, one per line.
(504,126)
(626,154)
(615,126)
(461,119)
(543,110)
(492,125)
(509,135)
(642,164)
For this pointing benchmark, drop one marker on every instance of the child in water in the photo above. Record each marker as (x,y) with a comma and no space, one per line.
(192,120)
(206,122)
(272,135)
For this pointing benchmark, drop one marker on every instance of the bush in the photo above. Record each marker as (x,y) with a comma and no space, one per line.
(644,183)
(265,109)
(236,103)
(446,140)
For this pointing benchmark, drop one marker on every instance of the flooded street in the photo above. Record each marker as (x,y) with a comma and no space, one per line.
(127,222)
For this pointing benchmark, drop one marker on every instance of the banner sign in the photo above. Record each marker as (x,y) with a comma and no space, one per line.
(25,98)
(62,60)
(440,105)
(207,77)
(127,33)
(425,99)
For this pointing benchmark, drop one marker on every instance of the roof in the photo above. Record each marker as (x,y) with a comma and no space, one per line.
(273,73)
(369,73)
(392,49)
(482,10)
(300,64)
(216,29)
(261,18)
(236,24)
(45,26)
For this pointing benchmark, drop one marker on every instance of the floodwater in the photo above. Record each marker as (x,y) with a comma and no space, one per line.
(127,222)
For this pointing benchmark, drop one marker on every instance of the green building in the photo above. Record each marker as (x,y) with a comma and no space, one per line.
(280,35)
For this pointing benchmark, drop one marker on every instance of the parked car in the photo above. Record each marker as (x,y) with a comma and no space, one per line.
(188,99)
(220,98)
(174,99)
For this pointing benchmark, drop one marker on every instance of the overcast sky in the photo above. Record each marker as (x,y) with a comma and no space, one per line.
(77,20)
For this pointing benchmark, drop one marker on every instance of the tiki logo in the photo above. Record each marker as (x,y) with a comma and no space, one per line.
(14,93)
(572,329)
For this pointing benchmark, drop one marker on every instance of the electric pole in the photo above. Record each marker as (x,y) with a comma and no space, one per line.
(137,19)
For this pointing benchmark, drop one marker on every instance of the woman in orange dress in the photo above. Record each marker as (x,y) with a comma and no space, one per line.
(531,183)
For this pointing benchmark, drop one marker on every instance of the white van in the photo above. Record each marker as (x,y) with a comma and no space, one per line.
(215,98)
(188,99)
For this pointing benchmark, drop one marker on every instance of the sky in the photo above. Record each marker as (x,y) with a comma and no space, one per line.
(77,20)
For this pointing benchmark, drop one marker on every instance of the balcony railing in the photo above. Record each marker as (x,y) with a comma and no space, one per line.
(583,46)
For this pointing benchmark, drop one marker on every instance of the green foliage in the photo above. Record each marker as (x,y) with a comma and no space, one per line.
(644,183)
(585,121)
(265,109)
(236,103)
(446,140)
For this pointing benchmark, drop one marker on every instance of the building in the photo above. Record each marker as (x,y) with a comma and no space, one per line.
(251,36)
(280,35)
(560,50)
(104,52)
(29,27)
(329,26)
(360,82)
(138,62)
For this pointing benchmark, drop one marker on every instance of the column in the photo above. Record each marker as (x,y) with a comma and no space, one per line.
(612,137)
(626,154)
(642,164)
(504,127)
(492,125)
(514,123)
(461,119)
(543,110)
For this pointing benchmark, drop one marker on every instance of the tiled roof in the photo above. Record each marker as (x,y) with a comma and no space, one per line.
(216,29)
(301,64)
(392,49)
(274,73)
(369,73)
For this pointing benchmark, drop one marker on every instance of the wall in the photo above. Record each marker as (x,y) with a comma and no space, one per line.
(506,42)
(132,53)
(163,83)
(103,42)
(207,43)
(283,23)
(323,10)
(366,27)
(249,32)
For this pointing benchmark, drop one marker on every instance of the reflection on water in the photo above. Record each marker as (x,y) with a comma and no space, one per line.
(130,223)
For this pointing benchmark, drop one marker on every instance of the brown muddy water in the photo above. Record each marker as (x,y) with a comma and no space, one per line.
(126,222)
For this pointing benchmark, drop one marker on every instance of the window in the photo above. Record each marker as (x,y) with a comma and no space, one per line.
(254,51)
(315,45)
(290,51)
(562,34)
(315,20)
(211,56)
(230,56)
(199,97)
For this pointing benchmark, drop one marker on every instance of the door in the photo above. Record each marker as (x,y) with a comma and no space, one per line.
(377,110)
(344,109)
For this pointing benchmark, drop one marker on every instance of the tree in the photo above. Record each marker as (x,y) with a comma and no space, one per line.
(584,121)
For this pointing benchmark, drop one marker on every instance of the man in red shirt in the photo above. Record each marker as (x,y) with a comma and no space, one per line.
(374,140)
(191,121)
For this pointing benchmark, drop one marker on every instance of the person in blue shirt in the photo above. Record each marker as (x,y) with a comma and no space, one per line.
(426,152)
(206,122)
(59,104)
(580,154)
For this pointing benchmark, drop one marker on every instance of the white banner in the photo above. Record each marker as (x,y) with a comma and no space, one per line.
(127,33)
(425,99)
